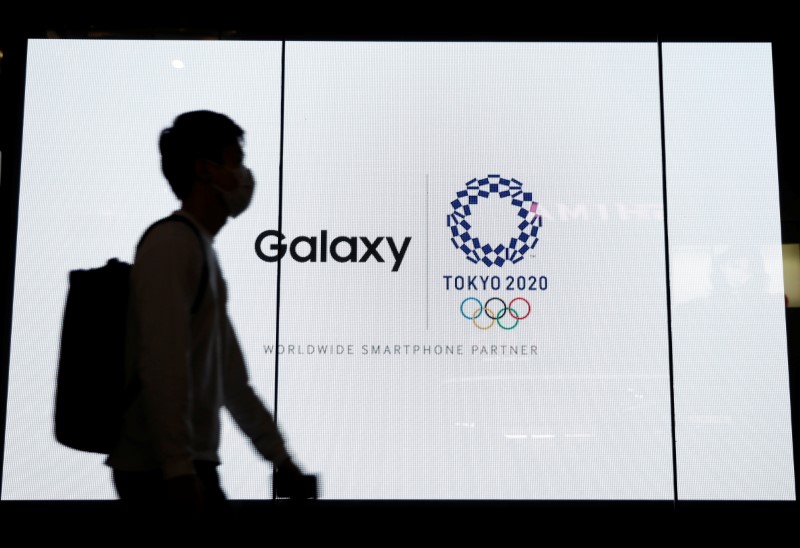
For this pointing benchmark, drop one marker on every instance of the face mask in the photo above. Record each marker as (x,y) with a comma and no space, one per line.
(238,198)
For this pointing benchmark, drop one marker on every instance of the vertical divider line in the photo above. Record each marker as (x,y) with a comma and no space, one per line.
(427,254)
(280,229)
(666,259)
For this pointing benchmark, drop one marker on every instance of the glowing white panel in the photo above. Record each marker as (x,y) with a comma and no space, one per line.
(732,410)
(418,401)
(90,183)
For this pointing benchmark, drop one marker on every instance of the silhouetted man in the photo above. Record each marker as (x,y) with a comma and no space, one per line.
(186,354)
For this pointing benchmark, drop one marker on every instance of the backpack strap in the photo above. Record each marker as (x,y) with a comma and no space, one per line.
(204,276)
(134,386)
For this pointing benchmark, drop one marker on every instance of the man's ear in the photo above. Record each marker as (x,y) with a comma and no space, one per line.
(202,169)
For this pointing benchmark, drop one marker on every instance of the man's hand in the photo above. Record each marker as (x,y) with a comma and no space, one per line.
(289,468)
(290,482)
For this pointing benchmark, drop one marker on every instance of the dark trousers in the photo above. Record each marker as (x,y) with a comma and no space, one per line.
(146,492)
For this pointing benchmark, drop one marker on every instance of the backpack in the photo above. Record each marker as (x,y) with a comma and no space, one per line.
(91,393)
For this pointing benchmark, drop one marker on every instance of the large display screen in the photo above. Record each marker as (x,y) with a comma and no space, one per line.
(484,271)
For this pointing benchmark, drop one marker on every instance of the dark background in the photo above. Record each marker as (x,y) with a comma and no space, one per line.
(591,520)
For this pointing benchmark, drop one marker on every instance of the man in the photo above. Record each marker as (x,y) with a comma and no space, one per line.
(185,355)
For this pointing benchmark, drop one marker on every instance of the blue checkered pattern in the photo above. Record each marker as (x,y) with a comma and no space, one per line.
(521,204)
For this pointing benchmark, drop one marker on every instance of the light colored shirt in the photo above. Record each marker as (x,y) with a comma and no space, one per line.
(190,364)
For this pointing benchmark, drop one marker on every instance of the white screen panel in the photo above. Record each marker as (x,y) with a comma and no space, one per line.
(732,410)
(90,183)
(573,402)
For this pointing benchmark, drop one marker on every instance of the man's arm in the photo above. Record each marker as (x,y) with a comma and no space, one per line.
(248,410)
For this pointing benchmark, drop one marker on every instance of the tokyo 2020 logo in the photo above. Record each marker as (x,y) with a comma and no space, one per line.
(520,204)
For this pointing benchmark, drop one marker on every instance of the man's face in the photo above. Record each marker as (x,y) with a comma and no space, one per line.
(232,181)
(232,155)
(232,158)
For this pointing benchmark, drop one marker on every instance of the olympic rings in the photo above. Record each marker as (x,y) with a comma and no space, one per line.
(494,318)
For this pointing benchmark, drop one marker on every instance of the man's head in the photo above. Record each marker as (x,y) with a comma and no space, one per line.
(197,136)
